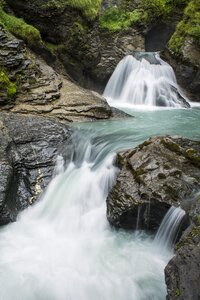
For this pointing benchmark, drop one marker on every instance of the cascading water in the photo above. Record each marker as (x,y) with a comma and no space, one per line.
(167,233)
(63,248)
(144,80)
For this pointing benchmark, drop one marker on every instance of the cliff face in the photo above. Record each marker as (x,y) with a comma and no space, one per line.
(89,45)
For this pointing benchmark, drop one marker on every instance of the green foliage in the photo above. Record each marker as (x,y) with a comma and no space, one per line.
(89,8)
(52,47)
(6,85)
(115,19)
(20,28)
(188,27)
(156,8)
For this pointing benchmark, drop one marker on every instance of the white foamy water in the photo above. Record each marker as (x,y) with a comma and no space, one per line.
(139,82)
(64,249)
(167,233)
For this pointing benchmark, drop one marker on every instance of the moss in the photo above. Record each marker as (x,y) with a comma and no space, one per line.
(20,28)
(156,8)
(116,19)
(171,145)
(189,238)
(178,293)
(53,48)
(6,86)
(189,27)
(89,8)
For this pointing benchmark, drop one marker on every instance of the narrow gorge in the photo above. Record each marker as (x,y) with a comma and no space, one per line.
(100,150)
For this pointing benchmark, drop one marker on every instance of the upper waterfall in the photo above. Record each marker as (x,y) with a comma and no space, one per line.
(144,79)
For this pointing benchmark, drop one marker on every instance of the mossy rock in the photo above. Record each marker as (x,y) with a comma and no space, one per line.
(7,88)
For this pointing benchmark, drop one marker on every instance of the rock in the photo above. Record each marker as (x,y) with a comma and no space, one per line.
(88,54)
(157,174)
(187,70)
(183,271)
(28,152)
(42,91)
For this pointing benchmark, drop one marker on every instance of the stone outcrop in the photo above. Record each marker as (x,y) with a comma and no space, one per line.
(187,69)
(183,271)
(157,174)
(40,90)
(28,152)
(161,172)
(88,53)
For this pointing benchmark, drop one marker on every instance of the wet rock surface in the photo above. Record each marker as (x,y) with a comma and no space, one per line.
(161,172)
(187,69)
(157,174)
(183,271)
(28,152)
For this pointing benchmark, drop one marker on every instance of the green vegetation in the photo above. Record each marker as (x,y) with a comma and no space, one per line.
(6,85)
(115,19)
(52,47)
(178,293)
(20,28)
(89,8)
(156,8)
(123,17)
(189,27)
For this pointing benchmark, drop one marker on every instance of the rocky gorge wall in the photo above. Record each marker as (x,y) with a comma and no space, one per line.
(37,100)
(89,48)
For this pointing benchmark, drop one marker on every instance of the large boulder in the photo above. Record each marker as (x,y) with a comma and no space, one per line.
(161,172)
(29,148)
(157,174)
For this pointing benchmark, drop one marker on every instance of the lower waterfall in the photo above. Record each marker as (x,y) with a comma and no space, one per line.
(144,80)
(168,231)
(62,248)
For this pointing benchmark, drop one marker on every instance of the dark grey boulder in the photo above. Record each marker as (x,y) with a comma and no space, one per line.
(157,174)
(28,152)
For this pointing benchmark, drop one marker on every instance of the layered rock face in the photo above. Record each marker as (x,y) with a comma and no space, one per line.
(88,53)
(40,90)
(28,152)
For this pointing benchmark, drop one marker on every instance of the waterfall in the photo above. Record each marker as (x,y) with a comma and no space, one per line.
(144,80)
(168,230)
(63,247)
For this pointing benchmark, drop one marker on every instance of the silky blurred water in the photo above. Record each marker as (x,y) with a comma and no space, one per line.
(63,248)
